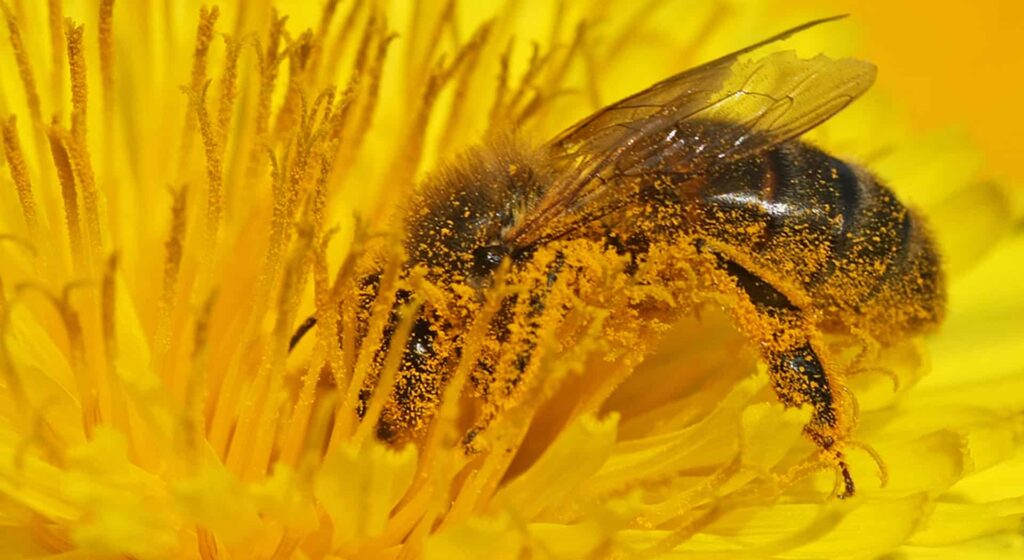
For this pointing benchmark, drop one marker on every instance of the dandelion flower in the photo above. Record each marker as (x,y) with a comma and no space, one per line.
(182,186)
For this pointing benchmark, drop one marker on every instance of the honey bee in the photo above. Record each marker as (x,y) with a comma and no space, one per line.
(710,161)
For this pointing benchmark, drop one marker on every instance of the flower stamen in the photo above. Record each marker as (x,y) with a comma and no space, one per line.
(79,148)
(19,175)
(24,67)
(59,139)
(106,38)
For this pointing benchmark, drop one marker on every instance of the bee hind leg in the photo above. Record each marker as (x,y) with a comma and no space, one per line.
(799,378)
(797,373)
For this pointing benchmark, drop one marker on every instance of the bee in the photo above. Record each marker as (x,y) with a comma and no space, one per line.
(707,163)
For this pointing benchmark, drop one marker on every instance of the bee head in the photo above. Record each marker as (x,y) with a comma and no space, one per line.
(457,221)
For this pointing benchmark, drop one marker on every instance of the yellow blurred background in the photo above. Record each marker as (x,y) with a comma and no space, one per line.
(954,64)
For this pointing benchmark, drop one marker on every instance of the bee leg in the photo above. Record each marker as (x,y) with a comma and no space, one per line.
(419,384)
(502,379)
(799,378)
(797,373)
(301,331)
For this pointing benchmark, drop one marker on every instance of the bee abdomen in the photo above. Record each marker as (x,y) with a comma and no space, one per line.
(869,238)
(909,295)
(786,211)
(827,232)
(884,267)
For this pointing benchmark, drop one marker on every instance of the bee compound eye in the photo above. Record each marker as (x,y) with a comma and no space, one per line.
(487,258)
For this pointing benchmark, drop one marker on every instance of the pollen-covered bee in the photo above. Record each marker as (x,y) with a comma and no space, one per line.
(707,165)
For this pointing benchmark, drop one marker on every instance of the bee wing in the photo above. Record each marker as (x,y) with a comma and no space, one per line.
(715,113)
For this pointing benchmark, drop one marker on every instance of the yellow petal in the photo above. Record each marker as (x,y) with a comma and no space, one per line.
(218,501)
(495,537)
(579,452)
(125,510)
(358,486)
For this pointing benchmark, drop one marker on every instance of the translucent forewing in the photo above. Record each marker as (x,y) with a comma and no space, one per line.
(675,127)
